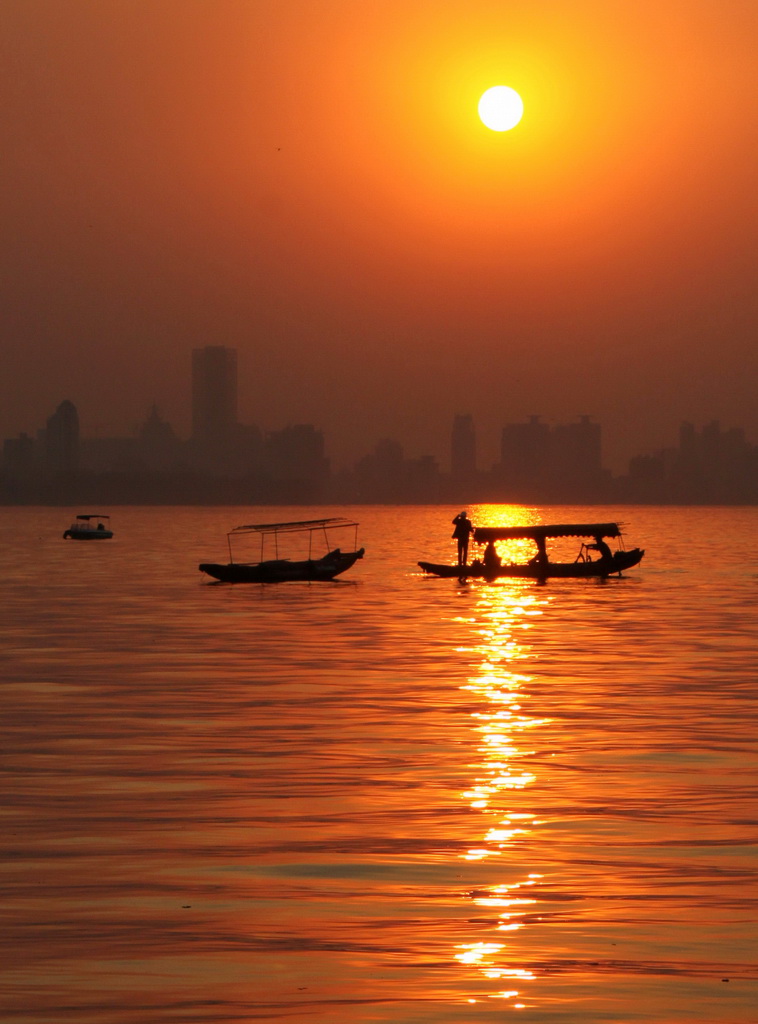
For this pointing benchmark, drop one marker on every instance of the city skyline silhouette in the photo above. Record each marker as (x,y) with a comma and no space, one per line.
(224,459)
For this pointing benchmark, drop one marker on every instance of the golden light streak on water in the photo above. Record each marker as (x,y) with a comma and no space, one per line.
(503,615)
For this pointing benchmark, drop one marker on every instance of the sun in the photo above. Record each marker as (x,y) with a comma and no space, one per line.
(501,108)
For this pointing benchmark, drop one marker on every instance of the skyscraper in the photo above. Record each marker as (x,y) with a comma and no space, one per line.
(62,439)
(575,450)
(524,452)
(214,395)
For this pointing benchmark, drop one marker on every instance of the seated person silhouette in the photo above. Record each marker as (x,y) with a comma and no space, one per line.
(602,548)
(541,557)
(491,558)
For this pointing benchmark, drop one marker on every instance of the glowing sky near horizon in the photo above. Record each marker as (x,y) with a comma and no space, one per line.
(312,185)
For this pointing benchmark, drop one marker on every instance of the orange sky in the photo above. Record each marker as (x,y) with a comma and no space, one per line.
(310,183)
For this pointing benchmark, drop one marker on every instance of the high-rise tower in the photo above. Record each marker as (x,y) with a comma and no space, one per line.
(62,439)
(214,394)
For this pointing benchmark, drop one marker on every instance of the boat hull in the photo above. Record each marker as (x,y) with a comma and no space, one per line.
(88,535)
(283,570)
(577,570)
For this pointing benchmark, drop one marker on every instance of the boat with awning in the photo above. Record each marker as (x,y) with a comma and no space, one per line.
(89,526)
(312,535)
(594,558)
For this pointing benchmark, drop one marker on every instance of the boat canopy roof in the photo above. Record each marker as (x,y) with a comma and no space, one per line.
(487,533)
(304,526)
(93,515)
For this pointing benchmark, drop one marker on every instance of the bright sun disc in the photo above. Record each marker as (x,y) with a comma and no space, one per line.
(501,108)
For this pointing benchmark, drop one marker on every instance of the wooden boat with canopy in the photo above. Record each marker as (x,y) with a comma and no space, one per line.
(311,533)
(593,559)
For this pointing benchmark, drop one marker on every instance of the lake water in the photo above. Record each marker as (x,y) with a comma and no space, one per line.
(389,798)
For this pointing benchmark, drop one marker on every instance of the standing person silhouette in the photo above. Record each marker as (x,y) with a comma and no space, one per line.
(462,532)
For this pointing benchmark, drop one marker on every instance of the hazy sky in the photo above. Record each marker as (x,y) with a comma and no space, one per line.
(308,181)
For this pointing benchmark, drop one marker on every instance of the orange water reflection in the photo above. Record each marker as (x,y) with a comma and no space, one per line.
(505,614)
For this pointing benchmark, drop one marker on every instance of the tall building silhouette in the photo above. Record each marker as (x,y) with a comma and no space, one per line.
(159,447)
(296,453)
(561,462)
(576,450)
(463,447)
(525,451)
(62,439)
(214,395)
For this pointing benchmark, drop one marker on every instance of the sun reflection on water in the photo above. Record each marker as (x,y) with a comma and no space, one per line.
(503,726)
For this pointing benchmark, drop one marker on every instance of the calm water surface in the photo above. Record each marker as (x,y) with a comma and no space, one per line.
(387,798)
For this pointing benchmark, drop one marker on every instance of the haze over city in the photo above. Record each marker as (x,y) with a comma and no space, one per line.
(311,185)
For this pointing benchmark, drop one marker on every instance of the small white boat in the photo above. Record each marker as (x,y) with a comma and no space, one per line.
(91,526)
